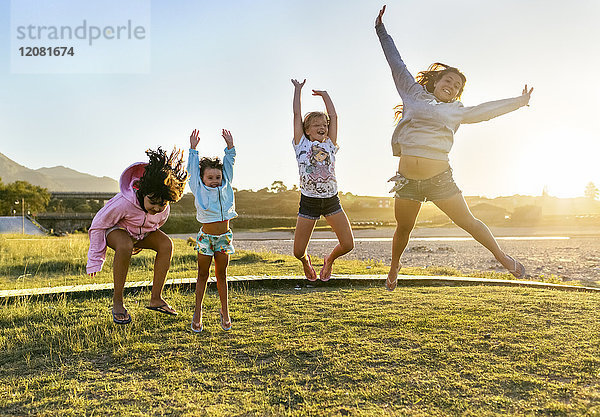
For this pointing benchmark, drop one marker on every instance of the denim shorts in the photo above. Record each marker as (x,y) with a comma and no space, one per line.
(209,244)
(438,187)
(313,208)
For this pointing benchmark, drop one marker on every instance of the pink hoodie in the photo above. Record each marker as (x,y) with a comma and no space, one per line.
(122,210)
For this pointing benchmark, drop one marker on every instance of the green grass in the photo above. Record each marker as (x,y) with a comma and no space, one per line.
(359,351)
(34,262)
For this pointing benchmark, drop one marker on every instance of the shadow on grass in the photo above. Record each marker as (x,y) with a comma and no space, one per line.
(254,258)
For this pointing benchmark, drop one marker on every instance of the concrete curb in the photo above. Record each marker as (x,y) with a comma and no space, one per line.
(402,280)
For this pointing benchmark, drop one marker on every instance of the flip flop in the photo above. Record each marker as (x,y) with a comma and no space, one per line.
(192,325)
(125,320)
(223,323)
(162,309)
(312,270)
(519,270)
(391,285)
(325,277)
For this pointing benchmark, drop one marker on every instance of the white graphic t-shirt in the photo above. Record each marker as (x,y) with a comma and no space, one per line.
(316,164)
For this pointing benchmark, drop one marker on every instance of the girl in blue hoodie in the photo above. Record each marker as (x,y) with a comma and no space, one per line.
(210,182)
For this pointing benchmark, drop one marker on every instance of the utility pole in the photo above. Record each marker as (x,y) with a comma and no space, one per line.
(22,213)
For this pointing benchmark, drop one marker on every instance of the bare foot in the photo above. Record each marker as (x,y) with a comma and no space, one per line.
(309,271)
(325,273)
(392,279)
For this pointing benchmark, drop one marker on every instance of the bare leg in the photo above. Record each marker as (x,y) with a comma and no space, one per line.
(204,262)
(341,226)
(304,229)
(406,212)
(456,208)
(121,242)
(163,246)
(221,262)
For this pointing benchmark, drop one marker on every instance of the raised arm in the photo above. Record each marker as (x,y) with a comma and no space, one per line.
(402,77)
(298,129)
(194,139)
(193,165)
(329,107)
(491,109)
(229,158)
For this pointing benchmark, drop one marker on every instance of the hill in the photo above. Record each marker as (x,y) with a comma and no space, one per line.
(55,178)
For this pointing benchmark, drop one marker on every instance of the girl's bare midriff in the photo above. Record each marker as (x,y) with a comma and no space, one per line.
(216,228)
(419,168)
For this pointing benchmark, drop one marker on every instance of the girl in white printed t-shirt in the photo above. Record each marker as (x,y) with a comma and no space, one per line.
(315,143)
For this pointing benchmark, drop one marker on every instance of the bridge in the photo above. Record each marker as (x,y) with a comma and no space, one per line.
(83,195)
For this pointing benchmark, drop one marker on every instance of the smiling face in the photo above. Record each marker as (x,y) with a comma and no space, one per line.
(317,128)
(154,205)
(212,177)
(446,89)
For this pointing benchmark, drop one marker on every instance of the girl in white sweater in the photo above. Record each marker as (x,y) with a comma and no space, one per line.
(428,118)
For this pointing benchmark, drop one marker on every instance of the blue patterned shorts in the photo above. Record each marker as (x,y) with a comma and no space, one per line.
(209,244)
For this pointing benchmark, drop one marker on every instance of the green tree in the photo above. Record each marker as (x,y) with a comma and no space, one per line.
(12,195)
(278,187)
(591,191)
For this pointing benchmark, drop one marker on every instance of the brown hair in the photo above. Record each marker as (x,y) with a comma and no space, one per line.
(428,79)
(164,177)
(310,117)
(210,163)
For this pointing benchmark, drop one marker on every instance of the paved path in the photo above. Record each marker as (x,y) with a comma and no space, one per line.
(402,280)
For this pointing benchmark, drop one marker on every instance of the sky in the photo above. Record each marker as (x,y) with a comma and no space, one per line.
(211,65)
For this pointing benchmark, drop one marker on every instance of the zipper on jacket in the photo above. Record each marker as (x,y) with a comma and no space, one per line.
(221,204)
(145,215)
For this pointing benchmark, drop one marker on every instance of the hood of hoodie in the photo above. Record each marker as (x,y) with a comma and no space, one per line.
(131,174)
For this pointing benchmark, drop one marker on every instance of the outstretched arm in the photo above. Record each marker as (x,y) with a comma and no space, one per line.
(333,122)
(379,20)
(402,77)
(194,139)
(228,138)
(298,129)
(491,109)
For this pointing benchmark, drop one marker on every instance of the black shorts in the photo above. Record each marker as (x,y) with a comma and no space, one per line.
(313,208)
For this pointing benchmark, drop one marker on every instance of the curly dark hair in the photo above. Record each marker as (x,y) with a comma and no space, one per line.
(428,79)
(210,163)
(164,177)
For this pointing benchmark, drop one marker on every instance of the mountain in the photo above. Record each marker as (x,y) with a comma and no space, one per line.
(56,178)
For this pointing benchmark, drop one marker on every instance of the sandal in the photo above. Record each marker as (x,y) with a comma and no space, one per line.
(223,322)
(391,285)
(325,276)
(313,273)
(125,320)
(519,270)
(192,325)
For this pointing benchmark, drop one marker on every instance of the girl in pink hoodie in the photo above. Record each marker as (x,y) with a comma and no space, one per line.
(130,221)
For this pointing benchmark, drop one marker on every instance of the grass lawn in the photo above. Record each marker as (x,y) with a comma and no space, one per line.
(33,262)
(355,350)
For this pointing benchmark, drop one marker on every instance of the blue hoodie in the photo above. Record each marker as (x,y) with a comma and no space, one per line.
(213,204)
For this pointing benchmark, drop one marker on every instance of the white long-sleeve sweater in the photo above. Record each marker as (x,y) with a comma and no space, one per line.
(427,126)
